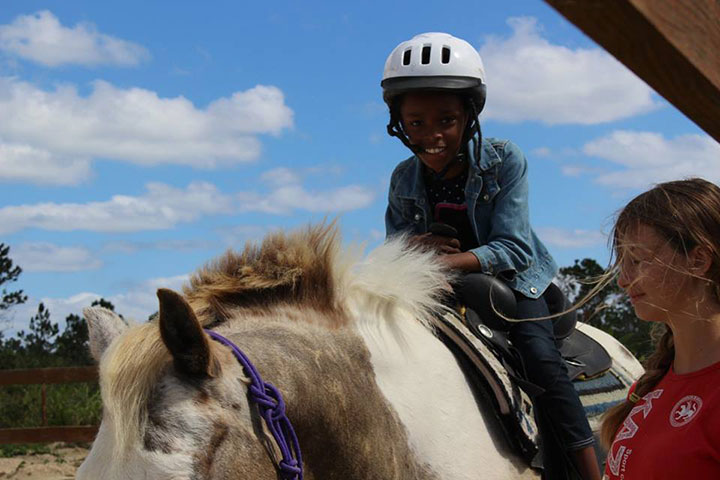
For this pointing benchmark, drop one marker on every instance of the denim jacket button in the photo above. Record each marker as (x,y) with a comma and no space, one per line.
(486,197)
(417,217)
(533,290)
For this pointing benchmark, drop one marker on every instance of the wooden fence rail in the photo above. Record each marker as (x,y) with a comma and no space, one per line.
(44,433)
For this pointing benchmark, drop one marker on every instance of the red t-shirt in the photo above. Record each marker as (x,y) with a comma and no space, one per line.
(673,432)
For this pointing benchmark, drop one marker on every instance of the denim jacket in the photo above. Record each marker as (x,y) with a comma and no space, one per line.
(496,195)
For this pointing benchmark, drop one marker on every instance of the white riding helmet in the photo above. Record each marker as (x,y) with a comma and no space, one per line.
(434,61)
(437,62)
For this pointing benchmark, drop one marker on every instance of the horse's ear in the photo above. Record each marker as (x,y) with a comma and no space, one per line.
(183,336)
(103,327)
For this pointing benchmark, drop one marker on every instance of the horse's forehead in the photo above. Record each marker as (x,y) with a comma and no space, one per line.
(184,413)
(175,391)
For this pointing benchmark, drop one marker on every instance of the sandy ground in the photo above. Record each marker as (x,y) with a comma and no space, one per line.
(60,464)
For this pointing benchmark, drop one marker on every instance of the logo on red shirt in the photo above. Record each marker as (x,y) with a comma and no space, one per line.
(685,410)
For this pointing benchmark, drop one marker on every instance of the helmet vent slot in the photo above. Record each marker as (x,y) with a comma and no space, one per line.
(445,55)
(425,58)
(406,57)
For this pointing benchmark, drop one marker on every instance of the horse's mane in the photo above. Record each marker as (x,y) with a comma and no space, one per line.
(305,269)
(301,269)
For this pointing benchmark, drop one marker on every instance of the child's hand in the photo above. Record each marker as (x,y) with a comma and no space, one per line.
(439,243)
(465,261)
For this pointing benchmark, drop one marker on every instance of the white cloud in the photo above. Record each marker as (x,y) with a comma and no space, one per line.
(137,303)
(575,170)
(236,236)
(161,207)
(564,238)
(42,39)
(288,198)
(258,110)
(288,195)
(141,301)
(60,128)
(164,206)
(542,152)
(47,257)
(647,158)
(126,246)
(18,317)
(280,176)
(25,163)
(529,78)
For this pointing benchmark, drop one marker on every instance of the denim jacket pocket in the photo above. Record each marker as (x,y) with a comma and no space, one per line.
(490,187)
(413,214)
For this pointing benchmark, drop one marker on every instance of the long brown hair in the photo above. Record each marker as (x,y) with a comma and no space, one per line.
(686,213)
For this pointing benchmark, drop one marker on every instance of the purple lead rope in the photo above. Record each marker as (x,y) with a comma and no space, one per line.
(272,409)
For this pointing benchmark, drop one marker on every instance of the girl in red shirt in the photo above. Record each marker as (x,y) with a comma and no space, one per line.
(667,242)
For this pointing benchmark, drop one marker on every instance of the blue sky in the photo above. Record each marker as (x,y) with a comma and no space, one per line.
(140,139)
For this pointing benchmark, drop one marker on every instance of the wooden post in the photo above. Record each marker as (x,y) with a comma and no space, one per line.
(44,405)
(674,45)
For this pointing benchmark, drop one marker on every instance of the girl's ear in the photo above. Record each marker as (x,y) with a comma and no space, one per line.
(700,261)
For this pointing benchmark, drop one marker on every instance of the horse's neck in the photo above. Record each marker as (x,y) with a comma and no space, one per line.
(449,427)
(333,401)
(392,401)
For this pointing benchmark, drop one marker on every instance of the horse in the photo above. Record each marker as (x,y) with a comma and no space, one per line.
(371,391)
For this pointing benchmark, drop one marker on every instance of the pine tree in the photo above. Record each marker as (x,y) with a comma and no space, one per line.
(9,273)
(39,343)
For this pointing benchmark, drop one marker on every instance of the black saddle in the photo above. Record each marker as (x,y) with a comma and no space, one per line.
(584,357)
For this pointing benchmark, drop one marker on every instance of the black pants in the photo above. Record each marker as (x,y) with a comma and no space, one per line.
(559,414)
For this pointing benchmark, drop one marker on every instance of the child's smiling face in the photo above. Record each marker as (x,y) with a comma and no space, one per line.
(435,122)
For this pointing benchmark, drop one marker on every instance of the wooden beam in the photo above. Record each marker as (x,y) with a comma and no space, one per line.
(82,433)
(673,45)
(48,375)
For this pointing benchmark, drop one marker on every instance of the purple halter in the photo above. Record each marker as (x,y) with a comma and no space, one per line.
(272,409)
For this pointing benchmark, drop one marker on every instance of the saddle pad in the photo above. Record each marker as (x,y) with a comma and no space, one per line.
(597,394)
(512,402)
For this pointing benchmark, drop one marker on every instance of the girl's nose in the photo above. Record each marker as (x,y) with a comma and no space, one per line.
(623,279)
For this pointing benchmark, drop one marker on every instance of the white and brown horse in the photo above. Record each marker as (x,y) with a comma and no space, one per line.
(371,391)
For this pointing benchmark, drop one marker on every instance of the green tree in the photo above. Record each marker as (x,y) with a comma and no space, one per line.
(608,309)
(11,354)
(72,344)
(39,342)
(9,273)
(42,345)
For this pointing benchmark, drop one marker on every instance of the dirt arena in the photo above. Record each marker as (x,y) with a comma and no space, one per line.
(60,464)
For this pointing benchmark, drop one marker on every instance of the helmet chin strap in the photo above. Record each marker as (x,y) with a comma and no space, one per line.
(394,129)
